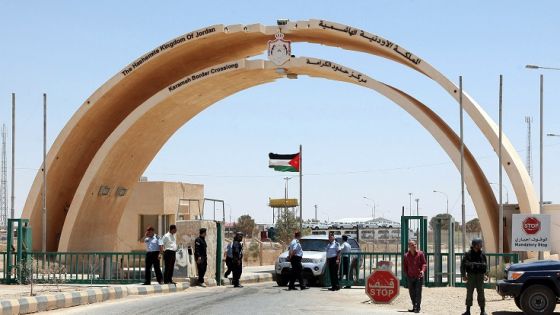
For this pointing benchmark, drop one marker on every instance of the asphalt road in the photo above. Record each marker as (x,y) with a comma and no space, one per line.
(265,298)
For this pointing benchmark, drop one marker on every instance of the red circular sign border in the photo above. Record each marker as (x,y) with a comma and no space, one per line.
(531,218)
(388,274)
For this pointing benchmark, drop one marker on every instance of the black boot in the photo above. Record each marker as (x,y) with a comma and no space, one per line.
(468,312)
(482,312)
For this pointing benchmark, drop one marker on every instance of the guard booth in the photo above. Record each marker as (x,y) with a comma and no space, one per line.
(18,250)
(413,228)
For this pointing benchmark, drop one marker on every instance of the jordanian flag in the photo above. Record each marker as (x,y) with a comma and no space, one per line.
(284,162)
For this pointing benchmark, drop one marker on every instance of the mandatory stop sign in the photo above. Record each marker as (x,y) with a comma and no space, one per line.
(382,286)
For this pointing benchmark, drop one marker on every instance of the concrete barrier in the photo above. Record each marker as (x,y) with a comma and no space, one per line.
(42,303)
(26,305)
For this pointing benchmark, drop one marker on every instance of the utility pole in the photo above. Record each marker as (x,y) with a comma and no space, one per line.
(410,204)
(4,182)
(372,207)
(286,196)
(529,161)
(446,200)
(541,203)
(316,213)
(501,210)
(463,216)
(417,202)
(13,197)
(44,212)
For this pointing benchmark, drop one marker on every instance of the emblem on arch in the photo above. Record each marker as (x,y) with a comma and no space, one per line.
(279,50)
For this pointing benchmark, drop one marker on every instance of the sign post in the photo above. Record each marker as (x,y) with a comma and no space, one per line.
(382,286)
(530,232)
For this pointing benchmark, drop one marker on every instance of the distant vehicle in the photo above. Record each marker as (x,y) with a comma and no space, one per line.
(320,226)
(344,226)
(389,225)
(535,286)
(314,260)
(317,226)
(369,225)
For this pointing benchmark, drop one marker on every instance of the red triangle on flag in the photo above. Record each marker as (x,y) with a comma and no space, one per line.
(295,162)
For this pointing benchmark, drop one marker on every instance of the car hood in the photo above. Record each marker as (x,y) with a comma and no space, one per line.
(307,254)
(536,266)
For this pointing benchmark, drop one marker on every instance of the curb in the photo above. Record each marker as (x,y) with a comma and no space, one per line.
(41,303)
(157,288)
(254,278)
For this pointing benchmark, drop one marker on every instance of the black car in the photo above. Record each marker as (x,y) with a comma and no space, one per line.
(535,286)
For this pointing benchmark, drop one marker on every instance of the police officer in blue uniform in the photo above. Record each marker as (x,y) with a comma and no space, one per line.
(333,261)
(295,254)
(228,258)
(154,247)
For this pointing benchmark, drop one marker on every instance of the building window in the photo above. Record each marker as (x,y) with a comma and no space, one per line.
(166,221)
(145,221)
(160,223)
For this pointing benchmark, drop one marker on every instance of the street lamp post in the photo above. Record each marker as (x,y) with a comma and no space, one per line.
(373,208)
(446,200)
(552,135)
(541,101)
(506,189)
(286,197)
(410,204)
(229,206)
(417,202)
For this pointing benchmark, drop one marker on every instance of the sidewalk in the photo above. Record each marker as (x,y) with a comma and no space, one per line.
(14,299)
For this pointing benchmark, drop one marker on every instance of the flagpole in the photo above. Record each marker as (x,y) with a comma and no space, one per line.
(300,189)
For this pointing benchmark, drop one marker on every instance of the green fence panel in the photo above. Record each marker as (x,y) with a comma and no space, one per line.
(81,267)
(362,265)
(496,267)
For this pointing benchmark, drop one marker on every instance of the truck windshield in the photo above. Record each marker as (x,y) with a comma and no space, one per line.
(314,245)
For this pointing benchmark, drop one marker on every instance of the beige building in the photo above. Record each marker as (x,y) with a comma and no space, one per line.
(157,204)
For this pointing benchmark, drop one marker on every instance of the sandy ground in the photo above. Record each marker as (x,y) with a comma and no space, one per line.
(442,301)
(17,291)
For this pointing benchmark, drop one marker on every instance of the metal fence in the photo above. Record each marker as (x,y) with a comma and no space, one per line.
(75,267)
(496,267)
(439,271)
(363,264)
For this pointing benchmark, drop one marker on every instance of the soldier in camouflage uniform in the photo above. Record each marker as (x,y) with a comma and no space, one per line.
(474,270)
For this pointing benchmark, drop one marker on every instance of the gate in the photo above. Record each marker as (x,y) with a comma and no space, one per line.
(418,225)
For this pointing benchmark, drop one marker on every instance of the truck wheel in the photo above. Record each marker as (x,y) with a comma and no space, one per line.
(538,299)
(518,302)
(281,281)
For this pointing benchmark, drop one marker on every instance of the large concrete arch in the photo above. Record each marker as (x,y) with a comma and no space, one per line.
(80,140)
(160,116)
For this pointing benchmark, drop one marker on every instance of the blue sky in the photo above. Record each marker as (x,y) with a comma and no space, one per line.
(356,143)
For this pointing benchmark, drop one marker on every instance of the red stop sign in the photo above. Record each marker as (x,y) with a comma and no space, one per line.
(382,286)
(531,225)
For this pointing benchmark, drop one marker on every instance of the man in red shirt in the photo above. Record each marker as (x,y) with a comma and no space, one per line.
(414,267)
